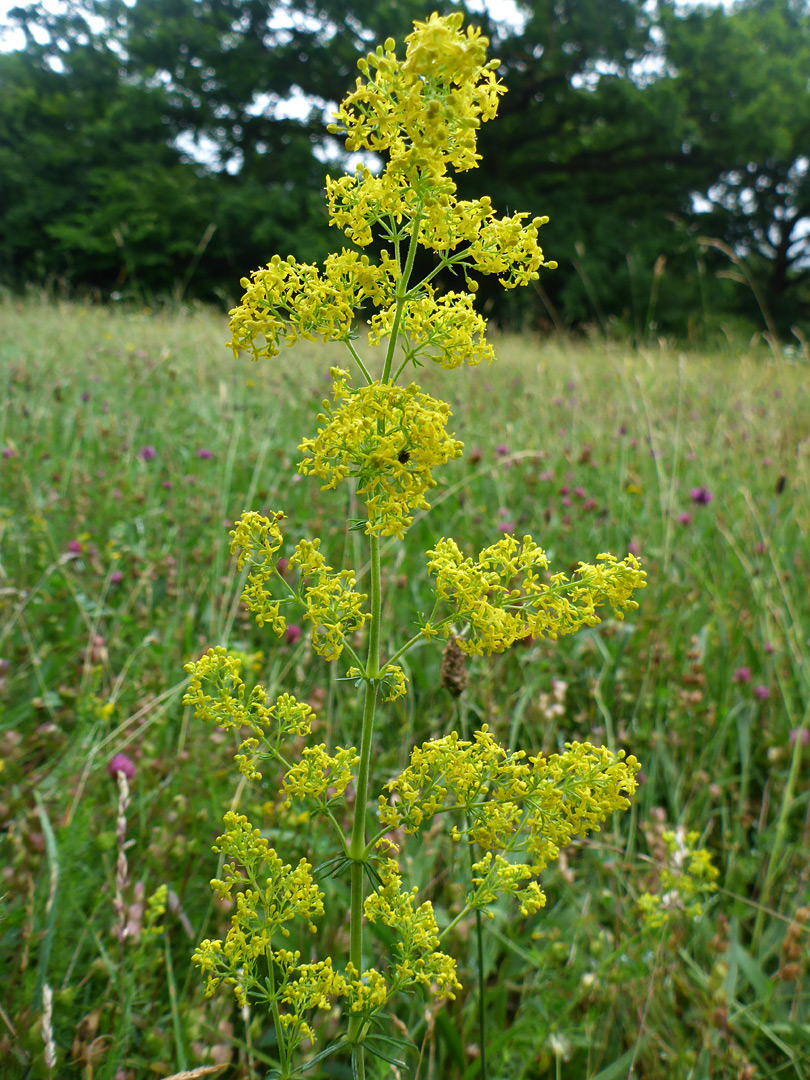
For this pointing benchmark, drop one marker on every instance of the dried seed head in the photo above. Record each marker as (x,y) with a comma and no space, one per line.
(454,668)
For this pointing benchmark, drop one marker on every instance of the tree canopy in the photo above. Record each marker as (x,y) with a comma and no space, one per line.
(161,147)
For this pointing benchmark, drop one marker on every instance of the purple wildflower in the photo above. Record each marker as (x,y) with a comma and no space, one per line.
(761,692)
(121,763)
(116,577)
(805,736)
(742,675)
(292,635)
(501,450)
(701,495)
(75,547)
(148,453)
(205,454)
(684,518)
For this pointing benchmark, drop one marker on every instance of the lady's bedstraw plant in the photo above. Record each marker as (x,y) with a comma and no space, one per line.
(421,114)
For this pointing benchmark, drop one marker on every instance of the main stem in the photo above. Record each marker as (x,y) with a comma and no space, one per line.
(357,844)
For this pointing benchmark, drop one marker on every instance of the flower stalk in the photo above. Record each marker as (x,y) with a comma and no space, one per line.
(386,438)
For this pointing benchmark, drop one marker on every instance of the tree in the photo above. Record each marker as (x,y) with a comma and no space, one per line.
(750,116)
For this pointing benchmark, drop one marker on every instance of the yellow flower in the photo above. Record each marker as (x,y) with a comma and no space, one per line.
(416,955)
(527,807)
(288,300)
(423,111)
(684,884)
(502,598)
(331,604)
(447,329)
(270,896)
(390,438)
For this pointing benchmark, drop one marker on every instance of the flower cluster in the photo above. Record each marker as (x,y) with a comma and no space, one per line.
(511,804)
(216,692)
(331,604)
(288,300)
(417,959)
(329,600)
(684,884)
(388,437)
(257,539)
(423,112)
(270,896)
(502,598)
(447,329)
(320,776)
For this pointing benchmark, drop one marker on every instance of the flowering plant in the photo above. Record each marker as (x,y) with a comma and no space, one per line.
(388,436)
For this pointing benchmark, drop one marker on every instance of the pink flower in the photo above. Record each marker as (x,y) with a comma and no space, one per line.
(761,692)
(75,547)
(805,736)
(579,492)
(204,454)
(166,485)
(116,577)
(506,526)
(684,518)
(701,495)
(769,648)
(742,675)
(589,504)
(634,547)
(501,450)
(547,475)
(121,763)
(292,635)
(9,452)
(148,453)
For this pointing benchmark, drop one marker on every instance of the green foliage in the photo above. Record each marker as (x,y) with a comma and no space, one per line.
(93,663)
(617,117)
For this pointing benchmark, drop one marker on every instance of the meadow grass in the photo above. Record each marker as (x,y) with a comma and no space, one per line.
(130,442)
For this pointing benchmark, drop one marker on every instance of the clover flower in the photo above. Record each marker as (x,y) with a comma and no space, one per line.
(389,438)
(120,763)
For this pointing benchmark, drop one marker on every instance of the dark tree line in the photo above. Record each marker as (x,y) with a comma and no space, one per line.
(669,148)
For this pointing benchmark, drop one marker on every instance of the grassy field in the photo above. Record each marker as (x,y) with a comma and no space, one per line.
(130,442)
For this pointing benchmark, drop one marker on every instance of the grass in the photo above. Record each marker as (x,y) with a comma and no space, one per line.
(115,572)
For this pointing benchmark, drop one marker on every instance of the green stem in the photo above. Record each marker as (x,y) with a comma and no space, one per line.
(402,296)
(451,925)
(357,359)
(357,844)
(282,1048)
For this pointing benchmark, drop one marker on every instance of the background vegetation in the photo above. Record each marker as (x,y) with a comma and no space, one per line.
(128,443)
(149,149)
